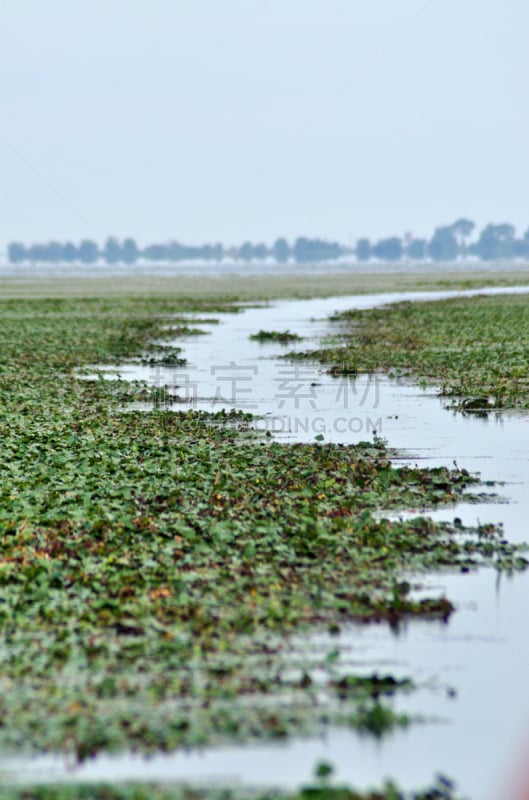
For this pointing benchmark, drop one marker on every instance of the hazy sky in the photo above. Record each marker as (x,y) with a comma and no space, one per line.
(207,120)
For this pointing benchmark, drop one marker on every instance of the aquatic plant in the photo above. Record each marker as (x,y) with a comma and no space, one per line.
(153,565)
(475,349)
(283,337)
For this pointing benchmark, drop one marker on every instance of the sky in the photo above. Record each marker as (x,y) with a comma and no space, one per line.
(228,120)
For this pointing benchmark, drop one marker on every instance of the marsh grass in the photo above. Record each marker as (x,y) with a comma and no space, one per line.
(153,565)
(476,349)
(250,288)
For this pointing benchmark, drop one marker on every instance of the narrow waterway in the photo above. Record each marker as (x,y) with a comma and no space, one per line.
(473,671)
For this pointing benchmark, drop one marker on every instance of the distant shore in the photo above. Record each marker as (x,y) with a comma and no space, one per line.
(255,282)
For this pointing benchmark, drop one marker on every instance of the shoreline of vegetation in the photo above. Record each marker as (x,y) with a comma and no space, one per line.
(476,350)
(255,288)
(441,789)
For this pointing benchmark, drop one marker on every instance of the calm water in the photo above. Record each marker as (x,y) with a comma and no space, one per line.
(482,655)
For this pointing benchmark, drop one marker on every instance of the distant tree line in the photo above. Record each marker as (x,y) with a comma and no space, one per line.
(448,243)
(128,252)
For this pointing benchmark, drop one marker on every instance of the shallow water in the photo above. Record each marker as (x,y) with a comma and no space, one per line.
(482,655)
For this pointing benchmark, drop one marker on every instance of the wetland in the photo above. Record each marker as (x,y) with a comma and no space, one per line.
(168,558)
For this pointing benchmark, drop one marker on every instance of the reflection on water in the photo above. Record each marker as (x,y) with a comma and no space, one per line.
(474,670)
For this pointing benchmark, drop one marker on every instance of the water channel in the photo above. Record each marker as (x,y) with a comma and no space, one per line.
(473,671)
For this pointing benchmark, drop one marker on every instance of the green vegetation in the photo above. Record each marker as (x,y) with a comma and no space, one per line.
(283,337)
(443,789)
(163,356)
(152,565)
(475,349)
(186,330)
(255,288)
